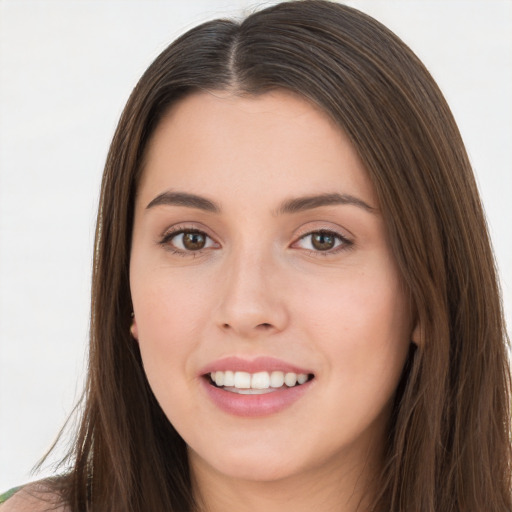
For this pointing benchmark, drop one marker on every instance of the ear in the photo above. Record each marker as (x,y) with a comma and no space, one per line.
(417,335)
(134,331)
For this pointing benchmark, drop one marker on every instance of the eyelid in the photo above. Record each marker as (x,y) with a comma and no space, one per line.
(186,226)
(312,227)
(173,231)
(347,241)
(335,234)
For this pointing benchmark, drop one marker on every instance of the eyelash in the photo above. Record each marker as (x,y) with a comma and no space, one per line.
(179,230)
(345,243)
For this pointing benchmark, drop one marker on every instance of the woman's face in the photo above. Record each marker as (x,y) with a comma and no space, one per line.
(259,255)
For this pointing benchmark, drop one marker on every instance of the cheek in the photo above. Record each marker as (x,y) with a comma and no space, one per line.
(169,333)
(362,324)
(168,303)
(170,318)
(362,329)
(355,301)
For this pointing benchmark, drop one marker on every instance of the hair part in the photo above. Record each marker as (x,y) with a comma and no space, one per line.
(449,436)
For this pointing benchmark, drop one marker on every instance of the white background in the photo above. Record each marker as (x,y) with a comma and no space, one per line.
(67,68)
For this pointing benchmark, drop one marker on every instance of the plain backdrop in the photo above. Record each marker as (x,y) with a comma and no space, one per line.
(67,68)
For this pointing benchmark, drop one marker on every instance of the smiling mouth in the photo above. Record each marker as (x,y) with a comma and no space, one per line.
(245,383)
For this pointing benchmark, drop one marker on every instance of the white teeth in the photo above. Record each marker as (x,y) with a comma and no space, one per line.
(257,381)
(260,380)
(242,380)
(249,391)
(290,379)
(277,379)
(219,378)
(229,378)
(301,378)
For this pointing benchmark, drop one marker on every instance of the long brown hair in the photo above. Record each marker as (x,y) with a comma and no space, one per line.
(448,447)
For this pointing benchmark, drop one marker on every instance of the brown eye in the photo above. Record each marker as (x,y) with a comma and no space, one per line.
(187,241)
(323,241)
(194,241)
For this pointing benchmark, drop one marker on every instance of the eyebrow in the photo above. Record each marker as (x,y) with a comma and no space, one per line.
(290,206)
(301,204)
(184,199)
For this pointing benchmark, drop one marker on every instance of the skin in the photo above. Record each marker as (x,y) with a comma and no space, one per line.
(259,287)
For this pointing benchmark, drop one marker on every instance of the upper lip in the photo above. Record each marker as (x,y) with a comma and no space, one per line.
(259,364)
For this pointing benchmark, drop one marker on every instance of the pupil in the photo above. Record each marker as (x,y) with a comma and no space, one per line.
(194,241)
(323,241)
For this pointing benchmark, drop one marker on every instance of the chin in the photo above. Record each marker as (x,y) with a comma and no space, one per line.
(258,470)
(257,465)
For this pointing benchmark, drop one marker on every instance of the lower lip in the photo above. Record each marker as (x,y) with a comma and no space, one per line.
(255,405)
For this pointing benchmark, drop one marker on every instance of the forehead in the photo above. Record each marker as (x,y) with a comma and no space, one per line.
(210,141)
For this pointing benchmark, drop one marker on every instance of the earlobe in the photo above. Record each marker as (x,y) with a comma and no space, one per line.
(133,329)
(417,335)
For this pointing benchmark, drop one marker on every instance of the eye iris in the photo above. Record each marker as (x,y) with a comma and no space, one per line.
(194,241)
(323,241)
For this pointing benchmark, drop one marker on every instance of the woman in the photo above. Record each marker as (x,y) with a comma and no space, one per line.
(294,298)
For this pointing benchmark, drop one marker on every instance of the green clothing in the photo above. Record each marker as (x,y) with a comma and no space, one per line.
(6,495)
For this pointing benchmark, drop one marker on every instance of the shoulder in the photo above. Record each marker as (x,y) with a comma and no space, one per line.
(35,497)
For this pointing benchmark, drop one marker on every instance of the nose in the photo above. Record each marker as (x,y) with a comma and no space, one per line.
(251,297)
